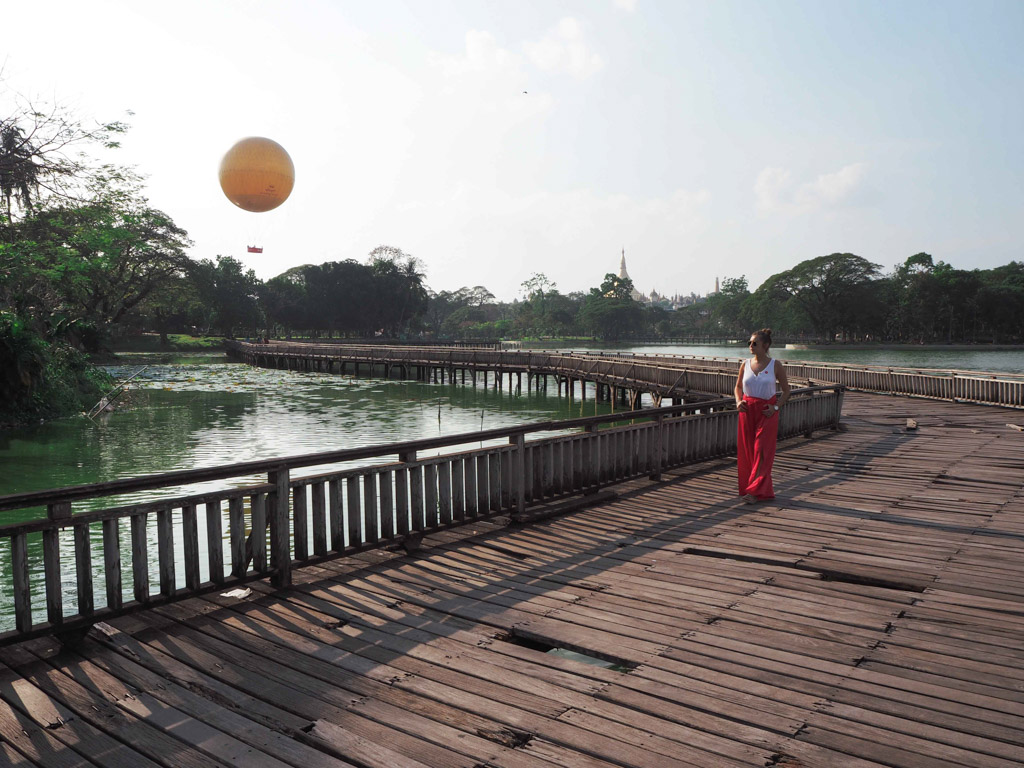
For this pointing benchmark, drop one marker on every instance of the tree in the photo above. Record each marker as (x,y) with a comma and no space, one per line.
(285,299)
(610,311)
(826,289)
(175,304)
(727,307)
(41,157)
(88,265)
(232,290)
(400,296)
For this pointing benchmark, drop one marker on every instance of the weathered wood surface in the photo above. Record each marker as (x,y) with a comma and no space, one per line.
(872,615)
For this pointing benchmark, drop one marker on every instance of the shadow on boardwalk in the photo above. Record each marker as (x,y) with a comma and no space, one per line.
(868,616)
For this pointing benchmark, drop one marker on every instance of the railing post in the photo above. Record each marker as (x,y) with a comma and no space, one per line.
(518,475)
(594,461)
(659,440)
(280,536)
(61,510)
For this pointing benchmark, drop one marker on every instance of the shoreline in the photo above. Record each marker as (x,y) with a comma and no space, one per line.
(798,346)
(908,347)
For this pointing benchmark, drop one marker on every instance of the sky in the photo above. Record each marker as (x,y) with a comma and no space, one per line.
(497,139)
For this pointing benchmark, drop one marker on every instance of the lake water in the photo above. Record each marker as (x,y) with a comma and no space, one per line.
(202,412)
(979,358)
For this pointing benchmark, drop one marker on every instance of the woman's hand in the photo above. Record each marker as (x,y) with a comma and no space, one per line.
(769,411)
(741,406)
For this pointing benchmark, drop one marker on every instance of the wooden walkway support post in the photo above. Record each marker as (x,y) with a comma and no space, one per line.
(51,563)
(280,535)
(658,457)
(518,474)
(593,461)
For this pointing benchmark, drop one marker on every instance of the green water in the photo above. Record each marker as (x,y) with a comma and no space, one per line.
(202,412)
(191,413)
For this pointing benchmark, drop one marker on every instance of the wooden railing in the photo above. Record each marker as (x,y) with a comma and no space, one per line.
(187,544)
(672,374)
(988,387)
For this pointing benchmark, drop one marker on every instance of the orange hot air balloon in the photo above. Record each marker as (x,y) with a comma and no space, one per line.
(257,174)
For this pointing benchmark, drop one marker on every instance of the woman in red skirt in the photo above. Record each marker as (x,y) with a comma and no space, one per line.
(759,406)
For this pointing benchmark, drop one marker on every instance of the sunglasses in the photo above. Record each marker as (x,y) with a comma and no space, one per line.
(751,343)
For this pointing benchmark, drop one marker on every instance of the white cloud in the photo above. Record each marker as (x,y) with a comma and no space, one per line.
(626,5)
(776,192)
(563,49)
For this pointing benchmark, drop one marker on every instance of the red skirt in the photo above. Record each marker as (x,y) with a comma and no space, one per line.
(755,442)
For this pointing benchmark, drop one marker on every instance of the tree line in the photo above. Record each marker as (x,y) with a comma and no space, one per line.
(838,297)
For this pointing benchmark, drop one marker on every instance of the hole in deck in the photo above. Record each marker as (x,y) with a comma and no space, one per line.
(577,654)
(513,738)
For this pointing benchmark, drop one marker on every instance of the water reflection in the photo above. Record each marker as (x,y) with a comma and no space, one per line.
(974,358)
(213,412)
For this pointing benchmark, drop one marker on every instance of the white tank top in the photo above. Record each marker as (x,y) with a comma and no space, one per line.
(761,385)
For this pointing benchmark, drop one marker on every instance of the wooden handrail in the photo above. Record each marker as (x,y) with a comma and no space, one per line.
(190,476)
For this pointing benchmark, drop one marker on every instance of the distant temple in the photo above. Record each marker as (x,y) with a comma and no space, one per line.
(624,275)
(656,299)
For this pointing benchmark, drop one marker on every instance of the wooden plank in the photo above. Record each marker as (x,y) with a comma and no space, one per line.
(251,721)
(387,504)
(51,575)
(318,492)
(140,557)
(90,699)
(458,490)
(337,514)
(112,562)
(215,540)
(83,569)
(258,531)
(494,462)
(402,507)
(416,509)
(190,538)
(430,495)
(371,530)
(20,583)
(472,510)
(35,746)
(482,483)
(444,493)
(236,528)
(165,551)
(300,523)
(353,511)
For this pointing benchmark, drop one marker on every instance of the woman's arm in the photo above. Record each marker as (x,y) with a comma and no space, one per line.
(780,375)
(738,391)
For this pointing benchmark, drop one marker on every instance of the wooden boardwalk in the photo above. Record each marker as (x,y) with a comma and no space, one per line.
(873,614)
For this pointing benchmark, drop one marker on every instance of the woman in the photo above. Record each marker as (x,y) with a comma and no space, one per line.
(759,417)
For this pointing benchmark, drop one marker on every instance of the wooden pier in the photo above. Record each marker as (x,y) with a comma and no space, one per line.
(871,615)
(617,380)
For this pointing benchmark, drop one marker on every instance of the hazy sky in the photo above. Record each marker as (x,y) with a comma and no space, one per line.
(716,138)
